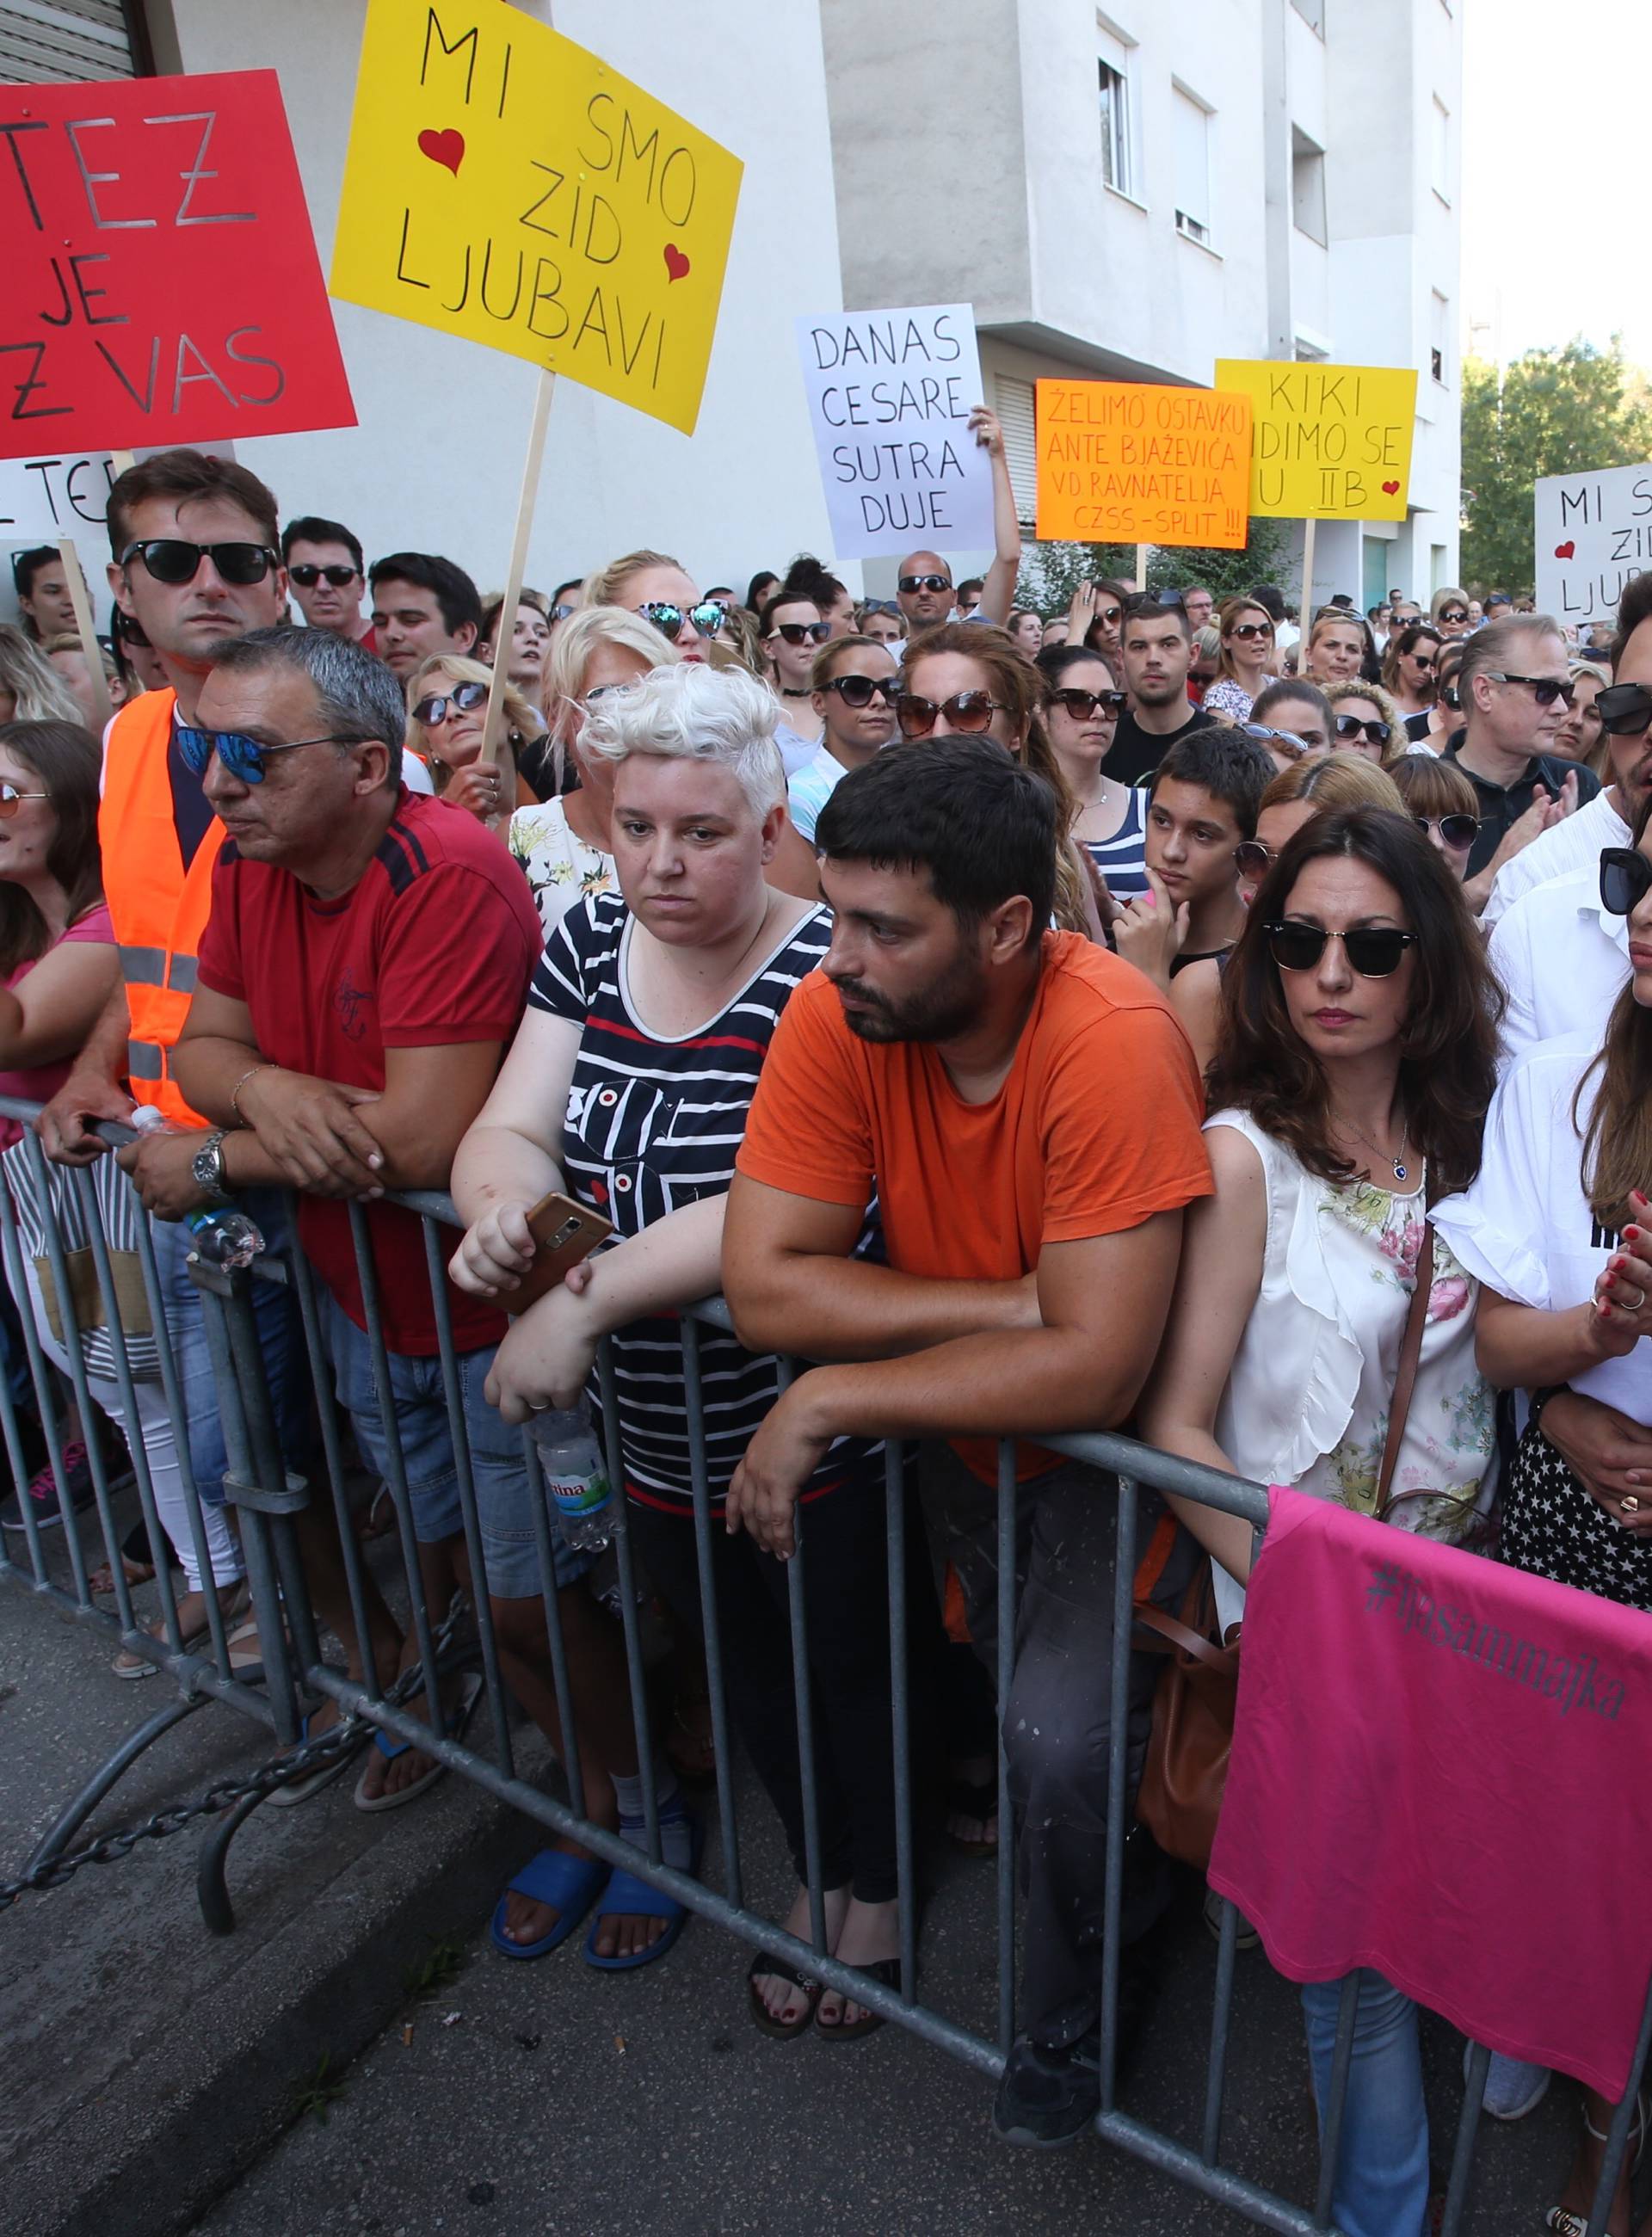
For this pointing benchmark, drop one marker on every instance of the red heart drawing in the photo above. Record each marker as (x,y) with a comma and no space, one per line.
(444,147)
(1390,489)
(1565,551)
(676,264)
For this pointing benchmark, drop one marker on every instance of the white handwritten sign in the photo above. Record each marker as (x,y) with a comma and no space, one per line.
(41,500)
(890,395)
(1594,534)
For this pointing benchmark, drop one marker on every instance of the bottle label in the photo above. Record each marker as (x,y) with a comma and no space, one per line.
(577,1496)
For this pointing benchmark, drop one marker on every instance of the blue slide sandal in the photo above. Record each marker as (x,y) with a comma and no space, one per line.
(627,1897)
(572,1884)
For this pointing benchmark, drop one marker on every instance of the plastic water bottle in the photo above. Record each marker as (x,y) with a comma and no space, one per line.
(576,1477)
(228,1239)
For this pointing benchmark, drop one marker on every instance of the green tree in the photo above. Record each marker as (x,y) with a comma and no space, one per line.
(1051,572)
(1550,412)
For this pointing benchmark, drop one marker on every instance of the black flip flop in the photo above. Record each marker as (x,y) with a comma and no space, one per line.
(762,2018)
(886,1971)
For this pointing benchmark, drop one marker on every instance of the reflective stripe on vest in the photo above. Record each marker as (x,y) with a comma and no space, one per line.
(160,908)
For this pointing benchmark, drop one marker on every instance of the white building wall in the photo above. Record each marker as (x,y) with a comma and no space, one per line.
(436,462)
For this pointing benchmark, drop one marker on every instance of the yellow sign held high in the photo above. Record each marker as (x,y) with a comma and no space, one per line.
(1330,442)
(504,184)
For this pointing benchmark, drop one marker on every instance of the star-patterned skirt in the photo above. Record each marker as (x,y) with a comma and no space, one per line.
(1552,1527)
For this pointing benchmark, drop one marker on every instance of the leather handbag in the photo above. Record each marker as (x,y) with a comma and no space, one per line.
(1186,1771)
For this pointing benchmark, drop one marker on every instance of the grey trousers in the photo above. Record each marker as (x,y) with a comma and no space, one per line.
(1059,1716)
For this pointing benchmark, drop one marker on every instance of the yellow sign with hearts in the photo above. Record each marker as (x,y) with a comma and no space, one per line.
(504,184)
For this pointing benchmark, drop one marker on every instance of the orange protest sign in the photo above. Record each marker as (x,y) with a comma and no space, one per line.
(1122,462)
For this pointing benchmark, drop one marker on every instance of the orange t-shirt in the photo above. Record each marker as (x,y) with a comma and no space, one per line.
(1096,1128)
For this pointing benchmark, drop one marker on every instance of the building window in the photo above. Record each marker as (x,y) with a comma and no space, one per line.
(1017,417)
(1439,335)
(1312,13)
(1307,186)
(1440,149)
(1115,128)
(1192,166)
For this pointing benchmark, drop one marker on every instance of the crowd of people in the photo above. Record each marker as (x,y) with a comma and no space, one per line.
(1035,1024)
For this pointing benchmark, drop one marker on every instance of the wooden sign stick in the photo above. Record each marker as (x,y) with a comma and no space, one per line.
(124,462)
(1141,566)
(1308,527)
(83,622)
(496,745)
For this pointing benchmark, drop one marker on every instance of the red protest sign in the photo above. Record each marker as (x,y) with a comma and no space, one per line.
(161,280)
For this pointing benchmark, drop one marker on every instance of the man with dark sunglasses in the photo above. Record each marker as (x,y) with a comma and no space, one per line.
(1515,686)
(423,605)
(325,573)
(855,685)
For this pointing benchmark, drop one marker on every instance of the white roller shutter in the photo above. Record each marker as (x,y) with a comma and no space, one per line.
(45,41)
(1015,416)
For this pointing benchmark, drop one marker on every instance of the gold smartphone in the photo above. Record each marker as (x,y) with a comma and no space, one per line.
(565,1232)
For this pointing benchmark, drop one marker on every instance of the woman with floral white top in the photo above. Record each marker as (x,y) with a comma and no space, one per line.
(1355,1062)
(1245,665)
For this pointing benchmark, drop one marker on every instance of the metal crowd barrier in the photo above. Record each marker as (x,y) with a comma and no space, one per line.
(267,1495)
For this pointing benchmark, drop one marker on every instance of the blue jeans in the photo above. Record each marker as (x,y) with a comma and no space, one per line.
(281,1340)
(499,1469)
(1382,2169)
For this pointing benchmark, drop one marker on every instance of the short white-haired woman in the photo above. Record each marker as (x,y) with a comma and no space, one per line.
(628,1086)
(446,717)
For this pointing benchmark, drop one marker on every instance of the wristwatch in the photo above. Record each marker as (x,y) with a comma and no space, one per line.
(208,1168)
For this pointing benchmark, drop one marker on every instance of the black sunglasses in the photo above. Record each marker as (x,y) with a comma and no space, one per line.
(1451,698)
(245,758)
(707,617)
(170,559)
(1454,614)
(1545,689)
(1424,660)
(910,583)
(965,710)
(1353,726)
(1373,950)
(1081,705)
(1459,832)
(881,606)
(1624,709)
(461,699)
(858,690)
(1626,878)
(307,575)
(802,632)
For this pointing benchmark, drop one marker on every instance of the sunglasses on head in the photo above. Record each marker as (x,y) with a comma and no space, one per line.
(965,710)
(1458,832)
(707,617)
(307,575)
(882,605)
(1287,740)
(12,800)
(170,559)
(910,583)
(1353,726)
(802,632)
(1454,614)
(1248,630)
(244,758)
(1626,878)
(1545,689)
(858,690)
(1373,950)
(1081,705)
(1625,709)
(458,701)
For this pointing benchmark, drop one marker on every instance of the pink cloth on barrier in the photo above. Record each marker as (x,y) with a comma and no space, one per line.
(1442,1769)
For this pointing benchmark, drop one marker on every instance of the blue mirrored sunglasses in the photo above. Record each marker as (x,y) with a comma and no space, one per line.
(243,757)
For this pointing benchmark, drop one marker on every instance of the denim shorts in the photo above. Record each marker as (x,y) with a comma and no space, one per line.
(504,1512)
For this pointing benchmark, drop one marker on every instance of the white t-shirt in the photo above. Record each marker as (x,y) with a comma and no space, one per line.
(810,789)
(1563,959)
(1572,844)
(1525,1228)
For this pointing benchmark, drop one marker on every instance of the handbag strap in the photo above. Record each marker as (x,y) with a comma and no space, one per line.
(1410,1350)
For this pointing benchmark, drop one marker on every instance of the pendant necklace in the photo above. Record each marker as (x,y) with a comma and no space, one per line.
(1402,1170)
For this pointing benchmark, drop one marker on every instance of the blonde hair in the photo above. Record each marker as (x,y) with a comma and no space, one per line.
(520,719)
(607,587)
(69,641)
(692,712)
(1334,781)
(568,656)
(38,693)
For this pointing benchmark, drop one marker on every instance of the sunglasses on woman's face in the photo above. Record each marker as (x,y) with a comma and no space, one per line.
(1422,660)
(1457,832)
(12,800)
(1252,859)
(707,617)
(965,710)
(1109,617)
(245,759)
(858,690)
(1625,709)
(1626,878)
(170,559)
(1451,698)
(1248,630)
(1373,950)
(1081,705)
(802,632)
(1353,726)
(307,575)
(1454,614)
(459,701)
